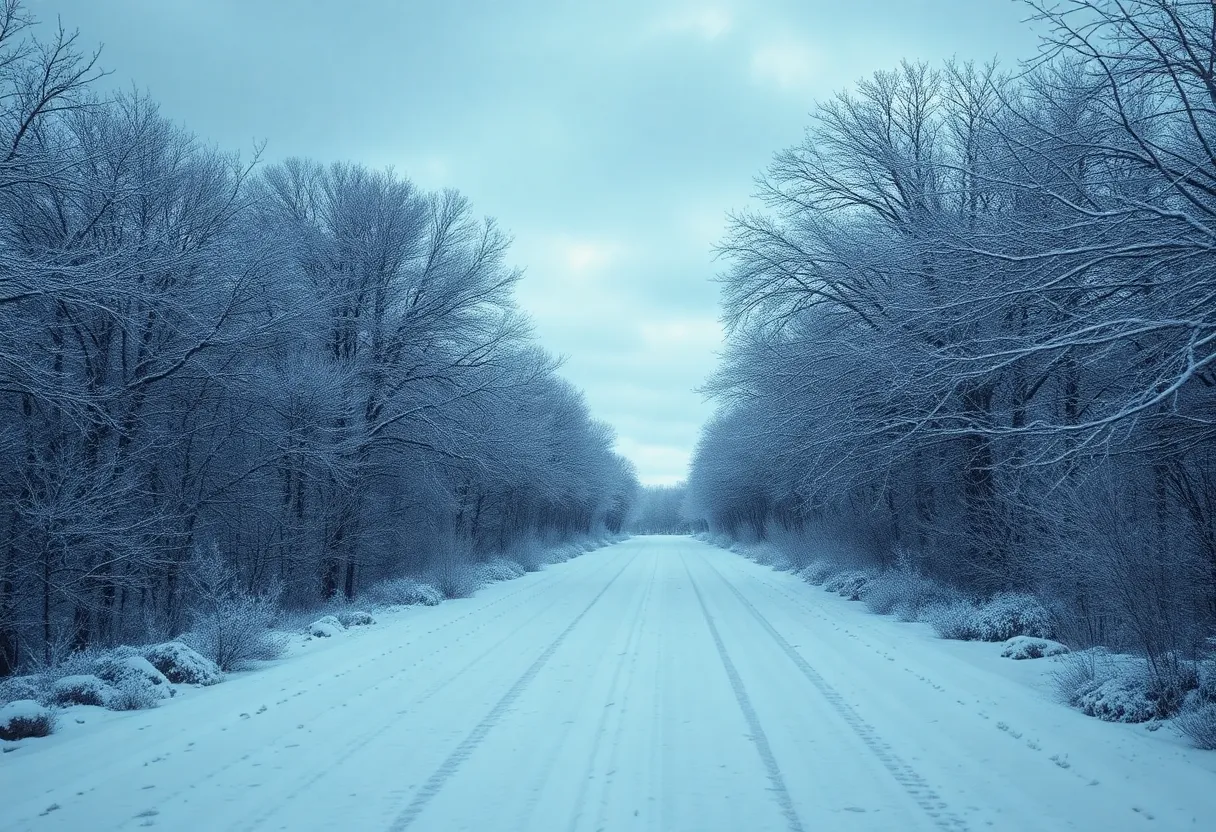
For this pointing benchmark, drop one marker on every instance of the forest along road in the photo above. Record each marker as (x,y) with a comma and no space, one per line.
(660,684)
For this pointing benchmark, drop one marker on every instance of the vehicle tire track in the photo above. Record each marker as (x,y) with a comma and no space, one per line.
(169,741)
(355,743)
(435,783)
(759,739)
(915,785)
(629,660)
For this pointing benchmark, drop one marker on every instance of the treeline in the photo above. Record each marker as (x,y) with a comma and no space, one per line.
(317,371)
(660,510)
(972,330)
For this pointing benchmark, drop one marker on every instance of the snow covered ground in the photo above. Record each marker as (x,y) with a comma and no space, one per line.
(660,684)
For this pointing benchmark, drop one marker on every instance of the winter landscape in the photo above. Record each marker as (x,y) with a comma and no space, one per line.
(656,416)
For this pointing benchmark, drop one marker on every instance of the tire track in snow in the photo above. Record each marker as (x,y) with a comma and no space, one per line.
(357,743)
(759,739)
(311,687)
(618,698)
(915,785)
(468,745)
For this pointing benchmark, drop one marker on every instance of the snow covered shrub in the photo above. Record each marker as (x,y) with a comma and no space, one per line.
(501,569)
(952,619)
(1012,614)
(403,592)
(565,552)
(325,627)
(136,682)
(922,594)
(528,553)
(886,591)
(1198,724)
(1005,616)
(849,584)
(181,664)
(1116,699)
(132,695)
(24,718)
(16,688)
(355,618)
(79,689)
(1110,687)
(818,572)
(231,626)
(1027,647)
(452,570)
(237,632)
(455,579)
(766,554)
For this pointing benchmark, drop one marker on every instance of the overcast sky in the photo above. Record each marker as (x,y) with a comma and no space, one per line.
(610,138)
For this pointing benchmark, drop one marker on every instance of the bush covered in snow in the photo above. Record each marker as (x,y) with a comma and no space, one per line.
(1121,688)
(768,554)
(455,578)
(237,633)
(1197,717)
(137,684)
(818,572)
(501,569)
(326,626)
(355,618)
(1197,722)
(24,718)
(1028,647)
(231,626)
(131,694)
(904,593)
(15,688)
(1109,687)
(528,553)
(884,592)
(403,592)
(79,689)
(181,664)
(1003,617)
(849,584)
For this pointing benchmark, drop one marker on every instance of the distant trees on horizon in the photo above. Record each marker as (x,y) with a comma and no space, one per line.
(659,509)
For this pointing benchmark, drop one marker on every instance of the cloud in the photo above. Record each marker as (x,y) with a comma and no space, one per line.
(586,255)
(709,23)
(787,64)
(697,335)
(657,464)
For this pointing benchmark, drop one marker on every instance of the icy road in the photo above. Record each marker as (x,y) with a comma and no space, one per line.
(660,684)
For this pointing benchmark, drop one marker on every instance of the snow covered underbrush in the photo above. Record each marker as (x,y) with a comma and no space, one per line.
(121,679)
(1107,685)
(1121,688)
(234,631)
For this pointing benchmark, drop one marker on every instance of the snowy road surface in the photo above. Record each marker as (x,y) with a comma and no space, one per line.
(660,684)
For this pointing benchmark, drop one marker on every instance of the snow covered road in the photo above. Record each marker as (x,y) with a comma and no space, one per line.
(660,684)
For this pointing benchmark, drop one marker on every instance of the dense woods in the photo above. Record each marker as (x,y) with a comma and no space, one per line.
(972,331)
(314,373)
(659,509)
